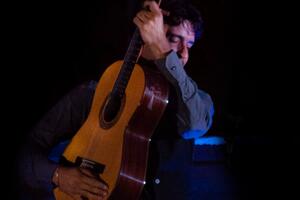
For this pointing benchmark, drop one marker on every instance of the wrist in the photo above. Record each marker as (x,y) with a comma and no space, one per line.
(156,50)
(160,50)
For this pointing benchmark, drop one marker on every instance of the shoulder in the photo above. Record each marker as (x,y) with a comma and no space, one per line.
(88,85)
(82,91)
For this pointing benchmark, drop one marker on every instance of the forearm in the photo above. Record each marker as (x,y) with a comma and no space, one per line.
(35,169)
(59,124)
(195,107)
(197,113)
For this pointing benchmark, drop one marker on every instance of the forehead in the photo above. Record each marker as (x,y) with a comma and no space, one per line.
(184,29)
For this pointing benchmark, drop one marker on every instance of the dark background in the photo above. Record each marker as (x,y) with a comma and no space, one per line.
(53,46)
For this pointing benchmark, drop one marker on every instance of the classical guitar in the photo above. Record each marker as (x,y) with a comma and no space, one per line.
(114,140)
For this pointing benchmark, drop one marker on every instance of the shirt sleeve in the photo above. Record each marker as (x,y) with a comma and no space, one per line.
(195,107)
(60,123)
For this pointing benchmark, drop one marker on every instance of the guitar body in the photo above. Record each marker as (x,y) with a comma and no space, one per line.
(116,150)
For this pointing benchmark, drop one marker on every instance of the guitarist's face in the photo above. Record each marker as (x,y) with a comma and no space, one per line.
(181,38)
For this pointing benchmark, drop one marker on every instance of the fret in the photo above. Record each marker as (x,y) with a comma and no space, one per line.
(130,59)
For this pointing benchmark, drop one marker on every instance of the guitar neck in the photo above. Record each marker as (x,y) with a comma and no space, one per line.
(130,59)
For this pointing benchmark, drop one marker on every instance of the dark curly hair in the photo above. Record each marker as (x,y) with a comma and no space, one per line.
(180,10)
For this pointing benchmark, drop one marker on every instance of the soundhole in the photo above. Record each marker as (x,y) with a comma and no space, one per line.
(111,110)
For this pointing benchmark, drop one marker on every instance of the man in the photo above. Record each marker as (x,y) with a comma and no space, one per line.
(168,33)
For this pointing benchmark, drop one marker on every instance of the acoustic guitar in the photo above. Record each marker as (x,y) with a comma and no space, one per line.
(114,140)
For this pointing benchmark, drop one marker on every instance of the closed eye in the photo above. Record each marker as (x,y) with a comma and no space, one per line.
(177,39)
(174,39)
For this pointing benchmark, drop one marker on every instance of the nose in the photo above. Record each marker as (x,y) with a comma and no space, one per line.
(183,53)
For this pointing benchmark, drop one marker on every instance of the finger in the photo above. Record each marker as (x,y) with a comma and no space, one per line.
(94,190)
(144,16)
(164,12)
(76,197)
(87,172)
(138,22)
(153,6)
(141,17)
(91,196)
(93,182)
